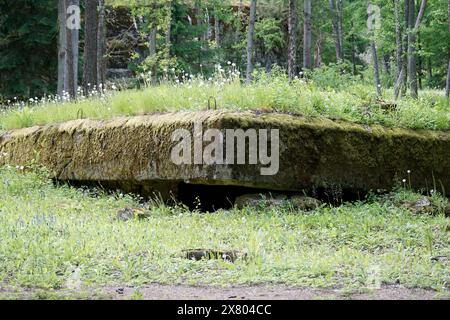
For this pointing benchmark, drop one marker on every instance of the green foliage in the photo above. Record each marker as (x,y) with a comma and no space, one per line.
(192,54)
(333,76)
(434,46)
(28,27)
(269,32)
(28,54)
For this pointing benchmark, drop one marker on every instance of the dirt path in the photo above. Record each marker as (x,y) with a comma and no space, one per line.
(184,292)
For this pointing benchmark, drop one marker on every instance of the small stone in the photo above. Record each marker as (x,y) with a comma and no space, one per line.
(131,213)
(423,203)
(424,206)
(260,200)
(304,203)
(125,214)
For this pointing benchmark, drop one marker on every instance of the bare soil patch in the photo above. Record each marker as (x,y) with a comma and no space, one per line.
(265,292)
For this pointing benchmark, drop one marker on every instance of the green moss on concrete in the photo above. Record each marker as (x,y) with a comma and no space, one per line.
(314,152)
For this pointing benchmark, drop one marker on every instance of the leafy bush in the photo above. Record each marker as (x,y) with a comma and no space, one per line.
(333,76)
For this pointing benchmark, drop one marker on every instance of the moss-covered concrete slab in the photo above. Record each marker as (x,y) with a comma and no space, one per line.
(314,152)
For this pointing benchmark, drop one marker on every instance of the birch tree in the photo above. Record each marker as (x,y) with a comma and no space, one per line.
(90,45)
(292,31)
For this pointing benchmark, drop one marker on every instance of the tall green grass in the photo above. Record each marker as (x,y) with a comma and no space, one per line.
(355,102)
(66,238)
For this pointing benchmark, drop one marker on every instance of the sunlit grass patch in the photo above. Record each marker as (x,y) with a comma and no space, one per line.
(61,237)
(354,102)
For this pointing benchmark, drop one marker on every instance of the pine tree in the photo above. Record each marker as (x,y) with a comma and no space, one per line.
(251,31)
(90,45)
(307,34)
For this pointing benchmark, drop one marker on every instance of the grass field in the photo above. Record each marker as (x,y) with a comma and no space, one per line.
(62,238)
(352,101)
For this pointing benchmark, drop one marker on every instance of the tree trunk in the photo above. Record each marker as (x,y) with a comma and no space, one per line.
(353,43)
(307,35)
(401,42)
(387,64)
(398,38)
(409,63)
(269,61)
(237,34)
(373,46)
(292,34)
(169,31)
(405,50)
(353,55)
(419,63)
(318,52)
(101,45)
(398,83)
(447,87)
(336,33)
(216,28)
(340,13)
(152,53)
(207,35)
(413,28)
(375,68)
(62,47)
(72,33)
(429,72)
(251,31)
(198,24)
(412,67)
(90,46)
(198,13)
